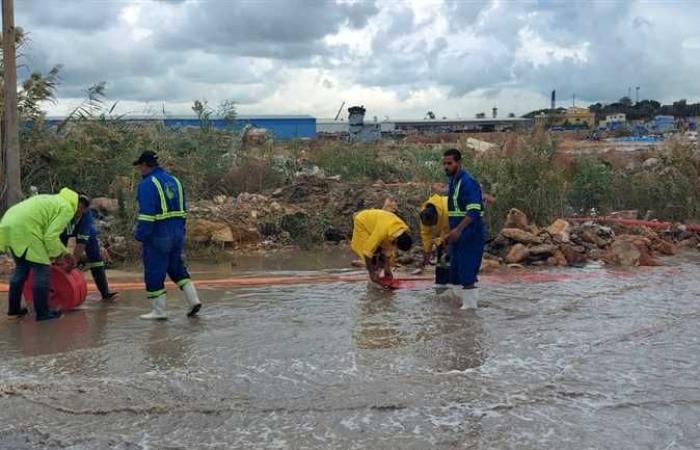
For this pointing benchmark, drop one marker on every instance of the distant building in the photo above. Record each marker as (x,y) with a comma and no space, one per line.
(462,125)
(616,118)
(664,124)
(573,117)
(330,127)
(279,126)
(614,121)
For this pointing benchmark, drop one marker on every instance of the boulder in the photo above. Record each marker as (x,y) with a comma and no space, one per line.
(596,254)
(664,247)
(560,258)
(573,254)
(691,242)
(517,254)
(489,265)
(544,249)
(624,252)
(521,236)
(202,230)
(560,230)
(517,219)
(591,237)
(105,205)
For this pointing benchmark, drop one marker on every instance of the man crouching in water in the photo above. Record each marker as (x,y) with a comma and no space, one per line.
(467,236)
(375,235)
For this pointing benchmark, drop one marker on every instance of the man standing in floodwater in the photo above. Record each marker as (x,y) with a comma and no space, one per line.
(30,231)
(161,231)
(467,235)
(87,246)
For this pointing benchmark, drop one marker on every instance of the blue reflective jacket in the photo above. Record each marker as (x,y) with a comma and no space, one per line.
(464,199)
(162,206)
(83,230)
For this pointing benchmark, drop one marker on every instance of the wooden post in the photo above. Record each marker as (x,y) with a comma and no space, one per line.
(12,176)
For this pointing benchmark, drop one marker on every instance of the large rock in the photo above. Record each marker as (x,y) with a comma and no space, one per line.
(691,242)
(202,230)
(664,247)
(629,250)
(560,230)
(517,219)
(105,205)
(517,254)
(544,250)
(573,254)
(489,265)
(624,252)
(591,237)
(559,258)
(521,236)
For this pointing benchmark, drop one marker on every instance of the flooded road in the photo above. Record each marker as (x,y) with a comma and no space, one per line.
(607,361)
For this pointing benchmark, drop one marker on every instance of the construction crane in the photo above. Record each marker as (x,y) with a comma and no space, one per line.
(339,110)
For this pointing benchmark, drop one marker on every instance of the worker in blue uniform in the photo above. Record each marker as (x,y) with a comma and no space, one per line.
(467,236)
(161,231)
(87,246)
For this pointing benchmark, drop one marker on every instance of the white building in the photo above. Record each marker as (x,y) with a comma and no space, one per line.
(615,118)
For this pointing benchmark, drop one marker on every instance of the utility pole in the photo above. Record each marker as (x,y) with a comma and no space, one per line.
(636,95)
(12,182)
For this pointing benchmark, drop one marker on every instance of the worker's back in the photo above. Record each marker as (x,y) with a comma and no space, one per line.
(374,228)
(162,205)
(35,224)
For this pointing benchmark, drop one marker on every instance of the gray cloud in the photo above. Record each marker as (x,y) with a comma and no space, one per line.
(179,50)
(67,14)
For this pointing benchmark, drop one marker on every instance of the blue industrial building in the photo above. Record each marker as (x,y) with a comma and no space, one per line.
(664,124)
(281,127)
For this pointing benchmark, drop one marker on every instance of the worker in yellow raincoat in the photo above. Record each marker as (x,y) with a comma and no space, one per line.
(375,235)
(31,232)
(434,226)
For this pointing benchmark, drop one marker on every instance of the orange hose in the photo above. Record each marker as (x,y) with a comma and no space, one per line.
(494,278)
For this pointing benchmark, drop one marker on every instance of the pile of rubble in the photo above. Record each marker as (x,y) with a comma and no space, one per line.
(564,243)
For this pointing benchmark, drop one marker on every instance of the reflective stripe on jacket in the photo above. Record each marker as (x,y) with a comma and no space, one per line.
(464,198)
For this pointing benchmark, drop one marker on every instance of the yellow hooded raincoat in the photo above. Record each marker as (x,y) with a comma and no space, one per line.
(374,229)
(34,226)
(435,234)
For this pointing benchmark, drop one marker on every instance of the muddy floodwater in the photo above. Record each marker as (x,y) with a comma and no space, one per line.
(601,360)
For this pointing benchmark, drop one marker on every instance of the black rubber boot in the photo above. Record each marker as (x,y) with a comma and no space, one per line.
(100,277)
(49,316)
(18,314)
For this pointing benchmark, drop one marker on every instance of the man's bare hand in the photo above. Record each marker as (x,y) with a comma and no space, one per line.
(452,236)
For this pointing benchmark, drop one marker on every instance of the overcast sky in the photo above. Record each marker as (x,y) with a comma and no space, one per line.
(398,58)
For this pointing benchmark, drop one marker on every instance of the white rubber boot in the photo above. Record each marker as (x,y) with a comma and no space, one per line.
(158,312)
(470,298)
(192,299)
